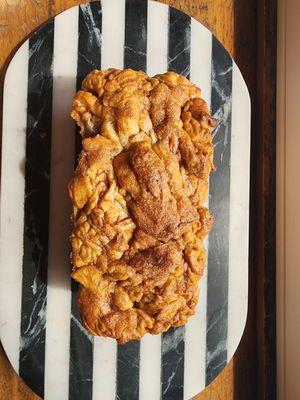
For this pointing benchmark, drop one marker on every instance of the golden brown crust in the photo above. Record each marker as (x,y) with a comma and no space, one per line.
(139,194)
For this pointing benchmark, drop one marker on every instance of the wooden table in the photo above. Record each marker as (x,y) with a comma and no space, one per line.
(251,373)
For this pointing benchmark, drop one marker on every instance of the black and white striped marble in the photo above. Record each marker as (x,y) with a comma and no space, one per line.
(39,323)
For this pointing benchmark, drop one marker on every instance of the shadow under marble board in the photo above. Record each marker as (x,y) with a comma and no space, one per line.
(39,323)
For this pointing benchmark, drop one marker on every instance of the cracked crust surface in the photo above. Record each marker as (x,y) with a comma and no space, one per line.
(139,194)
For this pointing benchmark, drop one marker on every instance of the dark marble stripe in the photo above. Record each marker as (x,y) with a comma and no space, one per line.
(128,365)
(219,192)
(135,49)
(135,34)
(179,45)
(81,355)
(81,343)
(36,208)
(172,374)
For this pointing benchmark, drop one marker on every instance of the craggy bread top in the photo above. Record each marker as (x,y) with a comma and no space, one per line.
(139,194)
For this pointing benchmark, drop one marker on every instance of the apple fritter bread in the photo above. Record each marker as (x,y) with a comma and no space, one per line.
(139,194)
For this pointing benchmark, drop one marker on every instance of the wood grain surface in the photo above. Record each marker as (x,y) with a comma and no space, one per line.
(234,22)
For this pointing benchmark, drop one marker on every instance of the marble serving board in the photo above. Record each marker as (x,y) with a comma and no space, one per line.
(39,323)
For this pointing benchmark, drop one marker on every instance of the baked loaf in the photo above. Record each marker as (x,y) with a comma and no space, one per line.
(139,194)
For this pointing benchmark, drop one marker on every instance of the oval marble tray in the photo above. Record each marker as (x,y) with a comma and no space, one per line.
(39,325)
